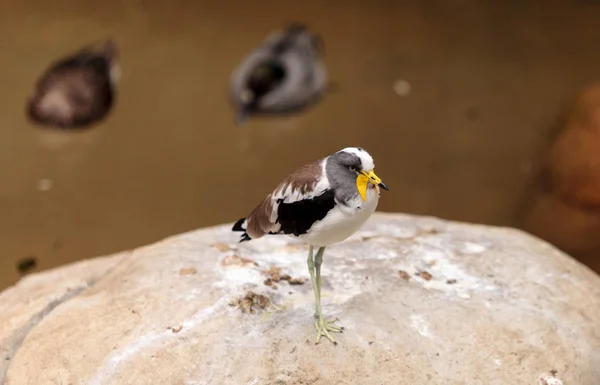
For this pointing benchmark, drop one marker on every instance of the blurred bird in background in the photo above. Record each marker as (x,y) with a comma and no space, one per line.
(284,75)
(78,90)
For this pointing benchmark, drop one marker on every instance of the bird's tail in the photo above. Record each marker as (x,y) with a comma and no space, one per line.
(240,225)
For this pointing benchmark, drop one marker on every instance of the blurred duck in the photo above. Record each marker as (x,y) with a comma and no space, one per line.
(283,75)
(78,90)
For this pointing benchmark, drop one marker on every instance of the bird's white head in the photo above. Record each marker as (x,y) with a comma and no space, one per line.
(368,164)
(355,165)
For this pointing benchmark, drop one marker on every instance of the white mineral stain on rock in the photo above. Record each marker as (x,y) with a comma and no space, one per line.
(238,276)
(443,267)
(383,255)
(420,324)
(549,379)
(472,248)
(407,232)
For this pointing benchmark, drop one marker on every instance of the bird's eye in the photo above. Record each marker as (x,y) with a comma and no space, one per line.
(352,168)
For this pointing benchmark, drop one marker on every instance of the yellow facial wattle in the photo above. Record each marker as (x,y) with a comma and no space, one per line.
(362,182)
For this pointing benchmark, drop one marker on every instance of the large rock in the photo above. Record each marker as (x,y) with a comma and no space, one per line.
(424,301)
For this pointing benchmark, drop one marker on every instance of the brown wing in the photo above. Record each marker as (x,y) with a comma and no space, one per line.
(303,184)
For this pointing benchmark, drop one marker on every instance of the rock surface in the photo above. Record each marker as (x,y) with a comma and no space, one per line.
(424,301)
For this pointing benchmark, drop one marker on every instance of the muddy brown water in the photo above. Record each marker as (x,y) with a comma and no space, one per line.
(486,80)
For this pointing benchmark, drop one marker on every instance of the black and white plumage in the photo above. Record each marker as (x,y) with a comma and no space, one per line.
(78,90)
(322,203)
(283,75)
(319,203)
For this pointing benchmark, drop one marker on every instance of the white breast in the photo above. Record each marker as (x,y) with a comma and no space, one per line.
(342,221)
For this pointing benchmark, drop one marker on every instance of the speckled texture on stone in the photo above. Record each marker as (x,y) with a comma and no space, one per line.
(475,305)
(23,306)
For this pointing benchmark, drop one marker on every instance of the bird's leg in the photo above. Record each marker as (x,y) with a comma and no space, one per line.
(323,326)
(313,280)
(318,262)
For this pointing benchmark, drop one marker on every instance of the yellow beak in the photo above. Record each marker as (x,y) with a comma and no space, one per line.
(363,180)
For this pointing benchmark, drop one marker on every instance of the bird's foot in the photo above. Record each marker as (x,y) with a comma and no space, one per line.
(324,326)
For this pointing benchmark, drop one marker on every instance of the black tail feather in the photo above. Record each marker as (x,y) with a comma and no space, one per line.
(238,227)
(245,237)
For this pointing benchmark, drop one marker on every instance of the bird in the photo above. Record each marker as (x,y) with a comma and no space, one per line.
(321,203)
(284,75)
(76,90)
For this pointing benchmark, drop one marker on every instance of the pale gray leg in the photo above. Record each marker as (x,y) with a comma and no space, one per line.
(323,326)
(313,280)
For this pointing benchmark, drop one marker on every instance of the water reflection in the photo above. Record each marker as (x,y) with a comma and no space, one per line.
(451,107)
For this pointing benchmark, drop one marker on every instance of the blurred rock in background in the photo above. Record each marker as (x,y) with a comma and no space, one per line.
(565,204)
